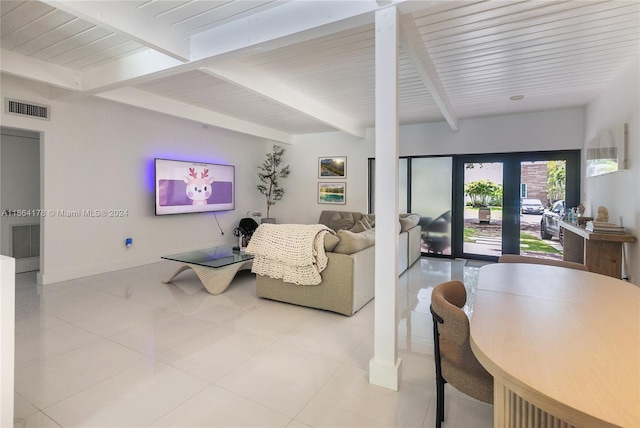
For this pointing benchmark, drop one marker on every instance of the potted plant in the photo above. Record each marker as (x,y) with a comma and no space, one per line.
(268,173)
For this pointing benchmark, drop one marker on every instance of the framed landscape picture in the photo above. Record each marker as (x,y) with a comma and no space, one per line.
(332,167)
(332,193)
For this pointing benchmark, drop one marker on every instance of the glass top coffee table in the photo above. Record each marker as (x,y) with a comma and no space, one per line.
(216,267)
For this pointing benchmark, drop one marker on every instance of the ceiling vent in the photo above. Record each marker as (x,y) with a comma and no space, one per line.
(22,108)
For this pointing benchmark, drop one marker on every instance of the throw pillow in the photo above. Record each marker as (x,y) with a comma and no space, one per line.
(408,222)
(371,218)
(341,221)
(330,242)
(361,226)
(353,242)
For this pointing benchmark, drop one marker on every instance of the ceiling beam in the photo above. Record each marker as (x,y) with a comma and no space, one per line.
(414,46)
(264,31)
(156,103)
(130,70)
(124,18)
(250,80)
(38,70)
(291,22)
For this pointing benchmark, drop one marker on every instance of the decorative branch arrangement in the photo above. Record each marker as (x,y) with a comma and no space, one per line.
(268,173)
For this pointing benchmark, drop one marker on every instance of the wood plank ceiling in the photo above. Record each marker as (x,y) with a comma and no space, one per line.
(281,68)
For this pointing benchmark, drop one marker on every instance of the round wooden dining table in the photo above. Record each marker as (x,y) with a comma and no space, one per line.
(563,346)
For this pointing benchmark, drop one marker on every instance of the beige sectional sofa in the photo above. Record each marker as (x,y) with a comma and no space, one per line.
(348,280)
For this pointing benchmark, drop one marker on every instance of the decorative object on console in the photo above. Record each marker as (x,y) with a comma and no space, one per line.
(604,227)
(603,214)
(268,173)
(332,167)
(332,193)
(191,187)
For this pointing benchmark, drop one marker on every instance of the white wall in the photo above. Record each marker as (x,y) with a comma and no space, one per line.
(300,203)
(552,130)
(541,131)
(619,191)
(99,155)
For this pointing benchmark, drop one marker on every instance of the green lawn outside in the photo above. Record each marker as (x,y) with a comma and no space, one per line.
(533,243)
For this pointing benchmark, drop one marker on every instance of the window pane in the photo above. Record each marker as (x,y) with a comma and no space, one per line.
(431,198)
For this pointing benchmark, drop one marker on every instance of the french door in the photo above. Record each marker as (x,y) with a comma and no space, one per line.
(496,202)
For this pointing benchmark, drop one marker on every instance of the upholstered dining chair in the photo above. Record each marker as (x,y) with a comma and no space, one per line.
(455,362)
(513,258)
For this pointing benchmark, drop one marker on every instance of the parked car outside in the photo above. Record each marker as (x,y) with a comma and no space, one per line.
(531,206)
(550,222)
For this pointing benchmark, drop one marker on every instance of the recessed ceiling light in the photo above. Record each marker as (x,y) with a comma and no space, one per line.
(517,97)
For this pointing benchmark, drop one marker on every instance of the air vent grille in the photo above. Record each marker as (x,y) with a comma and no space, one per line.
(26,109)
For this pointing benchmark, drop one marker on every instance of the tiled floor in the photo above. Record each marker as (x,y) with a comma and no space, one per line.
(124,350)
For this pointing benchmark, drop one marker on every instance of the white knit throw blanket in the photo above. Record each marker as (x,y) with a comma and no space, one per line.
(291,252)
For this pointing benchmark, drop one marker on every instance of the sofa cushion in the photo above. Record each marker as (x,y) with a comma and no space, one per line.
(351,242)
(361,226)
(408,221)
(371,218)
(330,242)
(342,220)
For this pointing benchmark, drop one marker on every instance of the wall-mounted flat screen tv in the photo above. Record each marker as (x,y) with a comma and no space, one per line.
(193,187)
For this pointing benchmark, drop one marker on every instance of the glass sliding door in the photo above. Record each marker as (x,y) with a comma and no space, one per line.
(483,206)
(431,196)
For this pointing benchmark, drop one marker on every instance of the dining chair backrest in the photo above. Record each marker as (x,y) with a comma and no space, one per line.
(514,258)
(447,301)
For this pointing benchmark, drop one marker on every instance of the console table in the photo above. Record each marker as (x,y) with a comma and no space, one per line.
(563,346)
(600,252)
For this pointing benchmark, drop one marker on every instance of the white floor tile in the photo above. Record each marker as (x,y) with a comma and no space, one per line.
(349,400)
(36,420)
(135,398)
(327,337)
(36,323)
(58,378)
(280,378)
(42,345)
(271,320)
(22,408)
(214,353)
(215,407)
(158,336)
(90,306)
(121,319)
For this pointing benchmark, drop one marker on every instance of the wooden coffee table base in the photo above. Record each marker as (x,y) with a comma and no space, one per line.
(215,280)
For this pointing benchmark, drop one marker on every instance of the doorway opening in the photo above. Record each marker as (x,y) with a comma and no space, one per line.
(20,197)
(542,196)
(483,208)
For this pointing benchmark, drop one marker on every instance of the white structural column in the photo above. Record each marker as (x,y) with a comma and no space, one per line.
(385,366)
(7,338)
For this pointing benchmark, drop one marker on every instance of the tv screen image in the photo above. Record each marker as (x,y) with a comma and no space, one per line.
(192,187)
